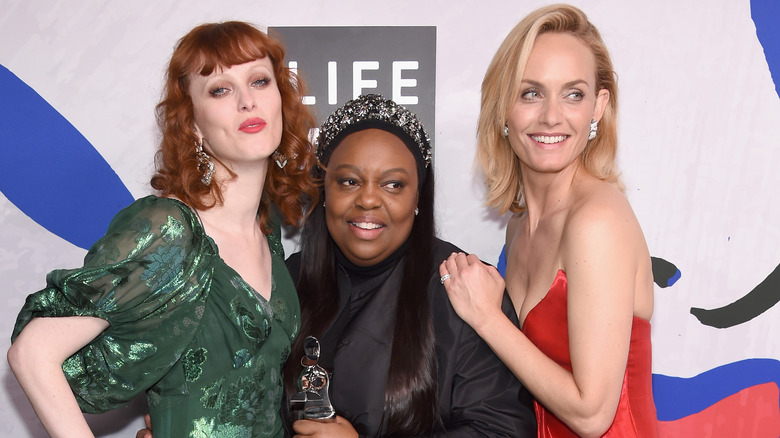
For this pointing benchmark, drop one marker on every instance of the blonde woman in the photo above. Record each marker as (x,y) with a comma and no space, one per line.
(578,268)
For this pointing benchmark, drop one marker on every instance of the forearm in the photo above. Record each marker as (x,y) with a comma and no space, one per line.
(36,359)
(53,401)
(552,385)
(585,403)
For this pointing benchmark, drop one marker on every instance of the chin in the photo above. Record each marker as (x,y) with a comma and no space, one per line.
(364,259)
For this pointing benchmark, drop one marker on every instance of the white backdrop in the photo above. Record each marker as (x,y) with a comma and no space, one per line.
(698,120)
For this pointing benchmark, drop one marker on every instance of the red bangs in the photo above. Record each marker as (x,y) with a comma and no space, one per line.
(221,46)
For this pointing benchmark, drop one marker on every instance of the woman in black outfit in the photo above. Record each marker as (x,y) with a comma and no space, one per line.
(402,362)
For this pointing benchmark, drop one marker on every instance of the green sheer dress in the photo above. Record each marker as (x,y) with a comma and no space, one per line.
(184,326)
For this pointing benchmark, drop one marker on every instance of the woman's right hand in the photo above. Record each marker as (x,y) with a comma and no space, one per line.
(475,289)
(339,427)
(145,433)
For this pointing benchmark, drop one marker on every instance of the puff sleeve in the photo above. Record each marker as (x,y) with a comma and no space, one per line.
(148,277)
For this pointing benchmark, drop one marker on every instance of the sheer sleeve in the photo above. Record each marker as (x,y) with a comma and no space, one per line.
(148,277)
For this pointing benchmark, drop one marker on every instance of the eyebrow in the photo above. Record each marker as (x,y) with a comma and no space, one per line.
(358,169)
(257,67)
(566,85)
(261,68)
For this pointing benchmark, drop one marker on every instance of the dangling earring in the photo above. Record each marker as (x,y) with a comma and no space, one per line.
(416,211)
(506,131)
(594,127)
(205,164)
(280,159)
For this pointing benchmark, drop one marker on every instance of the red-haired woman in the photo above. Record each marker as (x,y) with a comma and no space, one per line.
(187,296)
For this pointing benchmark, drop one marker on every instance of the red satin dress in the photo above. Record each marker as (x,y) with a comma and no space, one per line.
(546,326)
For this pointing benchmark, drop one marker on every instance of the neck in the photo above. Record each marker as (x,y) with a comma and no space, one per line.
(547,193)
(362,274)
(240,199)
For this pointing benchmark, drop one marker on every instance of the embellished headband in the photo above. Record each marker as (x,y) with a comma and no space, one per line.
(373,110)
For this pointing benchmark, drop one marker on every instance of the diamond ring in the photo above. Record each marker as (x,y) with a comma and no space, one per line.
(444,277)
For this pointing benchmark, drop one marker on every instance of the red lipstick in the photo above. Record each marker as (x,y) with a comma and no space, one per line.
(252,126)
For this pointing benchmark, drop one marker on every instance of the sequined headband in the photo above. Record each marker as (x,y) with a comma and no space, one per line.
(372,108)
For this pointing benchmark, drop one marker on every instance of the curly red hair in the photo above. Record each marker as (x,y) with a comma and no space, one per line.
(213,46)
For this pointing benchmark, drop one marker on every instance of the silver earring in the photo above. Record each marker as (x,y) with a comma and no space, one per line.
(205,164)
(594,127)
(506,131)
(280,159)
(416,211)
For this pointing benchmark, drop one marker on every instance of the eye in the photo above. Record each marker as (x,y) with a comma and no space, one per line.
(575,95)
(261,82)
(394,185)
(347,182)
(218,91)
(531,95)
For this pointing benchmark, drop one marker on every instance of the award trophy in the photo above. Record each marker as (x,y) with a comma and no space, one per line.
(312,401)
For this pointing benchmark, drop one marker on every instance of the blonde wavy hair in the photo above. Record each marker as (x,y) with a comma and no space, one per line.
(501,86)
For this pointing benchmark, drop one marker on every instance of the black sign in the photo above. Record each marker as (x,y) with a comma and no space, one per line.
(341,63)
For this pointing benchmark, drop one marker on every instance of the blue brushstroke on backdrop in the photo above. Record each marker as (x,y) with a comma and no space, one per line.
(501,266)
(50,171)
(673,279)
(678,397)
(55,176)
(766,14)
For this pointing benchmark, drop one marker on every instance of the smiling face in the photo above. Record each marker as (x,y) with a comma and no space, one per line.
(239,112)
(550,120)
(370,195)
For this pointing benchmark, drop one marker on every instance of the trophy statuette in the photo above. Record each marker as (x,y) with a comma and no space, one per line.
(312,401)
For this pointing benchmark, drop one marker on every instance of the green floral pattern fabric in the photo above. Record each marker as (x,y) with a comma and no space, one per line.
(184,326)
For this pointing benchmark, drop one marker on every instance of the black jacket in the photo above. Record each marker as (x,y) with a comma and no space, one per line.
(478,395)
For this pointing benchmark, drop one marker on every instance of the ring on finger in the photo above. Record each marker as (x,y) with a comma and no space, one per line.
(444,277)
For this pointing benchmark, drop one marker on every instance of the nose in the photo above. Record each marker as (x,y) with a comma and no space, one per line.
(368,197)
(246,100)
(551,112)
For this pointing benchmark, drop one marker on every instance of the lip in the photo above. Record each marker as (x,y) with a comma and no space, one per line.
(366,228)
(252,125)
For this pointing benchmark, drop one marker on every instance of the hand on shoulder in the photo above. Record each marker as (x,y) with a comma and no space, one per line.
(475,289)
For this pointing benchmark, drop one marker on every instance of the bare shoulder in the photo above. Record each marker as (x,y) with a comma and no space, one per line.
(602,217)
(600,204)
(601,240)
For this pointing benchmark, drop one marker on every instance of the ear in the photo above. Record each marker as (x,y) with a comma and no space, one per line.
(198,136)
(602,99)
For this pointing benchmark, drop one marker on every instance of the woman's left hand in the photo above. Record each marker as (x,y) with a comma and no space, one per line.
(475,289)
(336,428)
